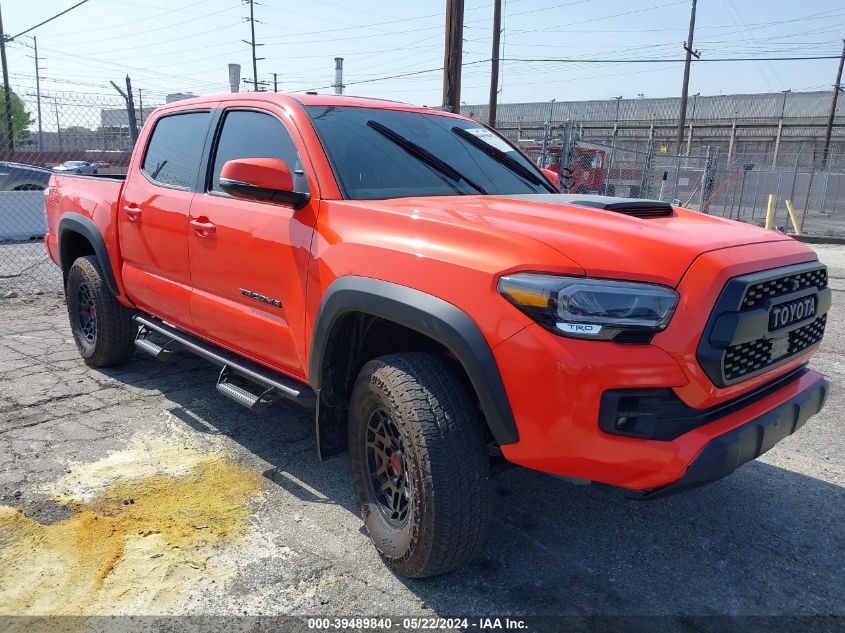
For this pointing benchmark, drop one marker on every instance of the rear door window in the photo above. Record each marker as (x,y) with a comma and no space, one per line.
(175,149)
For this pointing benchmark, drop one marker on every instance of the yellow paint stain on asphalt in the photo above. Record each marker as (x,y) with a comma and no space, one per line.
(147,528)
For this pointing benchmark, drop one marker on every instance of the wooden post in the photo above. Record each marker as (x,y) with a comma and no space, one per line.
(770,212)
(453,55)
(494,63)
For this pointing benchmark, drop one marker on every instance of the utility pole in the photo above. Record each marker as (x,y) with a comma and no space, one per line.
(836,88)
(685,88)
(494,63)
(7,91)
(275,83)
(252,31)
(38,94)
(253,45)
(453,55)
(141,106)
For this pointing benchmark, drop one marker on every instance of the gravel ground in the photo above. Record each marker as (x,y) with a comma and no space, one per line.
(26,268)
(143,472)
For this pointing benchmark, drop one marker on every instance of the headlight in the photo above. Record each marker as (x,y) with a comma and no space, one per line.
(590,308)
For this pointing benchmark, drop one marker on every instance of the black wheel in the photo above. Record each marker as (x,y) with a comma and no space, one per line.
(419,464)
(102,328)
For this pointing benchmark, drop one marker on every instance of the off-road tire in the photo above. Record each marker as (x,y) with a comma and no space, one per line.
(444,460)
(111,340)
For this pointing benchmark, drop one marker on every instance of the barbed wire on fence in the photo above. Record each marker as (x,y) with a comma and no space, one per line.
(737,150)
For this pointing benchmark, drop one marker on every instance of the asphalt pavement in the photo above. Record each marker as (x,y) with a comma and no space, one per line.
(138,490)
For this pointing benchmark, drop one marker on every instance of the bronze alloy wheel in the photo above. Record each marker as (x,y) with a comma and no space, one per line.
(86,312)
(386,464)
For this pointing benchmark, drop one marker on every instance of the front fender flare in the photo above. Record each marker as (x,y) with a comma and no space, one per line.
(431,316)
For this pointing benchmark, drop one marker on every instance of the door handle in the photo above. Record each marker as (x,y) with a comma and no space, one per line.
(133,212)
(202,227)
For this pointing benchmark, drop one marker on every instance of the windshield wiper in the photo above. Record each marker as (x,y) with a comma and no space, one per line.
(423,155)
(500,157)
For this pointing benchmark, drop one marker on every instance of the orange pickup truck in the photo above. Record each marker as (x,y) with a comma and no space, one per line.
(411,276)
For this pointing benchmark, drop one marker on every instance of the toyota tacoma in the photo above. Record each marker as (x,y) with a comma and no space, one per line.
(442,307)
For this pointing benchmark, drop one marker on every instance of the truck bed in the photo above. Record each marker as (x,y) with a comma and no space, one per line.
(95,198)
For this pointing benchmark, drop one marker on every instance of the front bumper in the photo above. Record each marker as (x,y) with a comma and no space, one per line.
(555,388)
(724,454)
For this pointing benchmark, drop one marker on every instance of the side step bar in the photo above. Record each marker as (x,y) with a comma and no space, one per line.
(275,385)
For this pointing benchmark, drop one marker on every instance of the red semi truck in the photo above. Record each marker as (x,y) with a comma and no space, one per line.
(416,281)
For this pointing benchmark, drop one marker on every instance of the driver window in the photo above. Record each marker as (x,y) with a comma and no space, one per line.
(248,134)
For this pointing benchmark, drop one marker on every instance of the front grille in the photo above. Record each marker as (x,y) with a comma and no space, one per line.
(758,293)
(807,336)
(741,313)
(747,358)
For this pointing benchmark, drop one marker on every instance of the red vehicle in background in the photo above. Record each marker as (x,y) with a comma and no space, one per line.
(587,171)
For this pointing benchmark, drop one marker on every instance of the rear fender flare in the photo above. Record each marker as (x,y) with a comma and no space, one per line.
(75,223)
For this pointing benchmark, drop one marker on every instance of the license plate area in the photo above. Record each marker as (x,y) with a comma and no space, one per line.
(789,313)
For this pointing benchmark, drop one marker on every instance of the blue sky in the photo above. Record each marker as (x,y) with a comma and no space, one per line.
(185,45)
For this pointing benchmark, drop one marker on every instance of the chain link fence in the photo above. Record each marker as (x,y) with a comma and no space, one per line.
(737,150)
(736,187)
(73,133)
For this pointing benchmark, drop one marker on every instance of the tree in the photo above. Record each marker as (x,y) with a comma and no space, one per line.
(20,119)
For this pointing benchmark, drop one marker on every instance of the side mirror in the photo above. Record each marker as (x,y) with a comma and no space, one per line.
(553,176)
(264,179)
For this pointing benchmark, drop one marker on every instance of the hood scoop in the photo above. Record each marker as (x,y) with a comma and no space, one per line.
(626,206)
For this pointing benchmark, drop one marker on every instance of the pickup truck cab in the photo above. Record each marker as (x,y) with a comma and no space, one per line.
(411,276)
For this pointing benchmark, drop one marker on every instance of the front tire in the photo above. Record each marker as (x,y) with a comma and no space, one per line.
(102,328)
(419,464)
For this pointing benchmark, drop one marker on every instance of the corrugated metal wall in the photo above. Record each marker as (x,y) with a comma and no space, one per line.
(806,105)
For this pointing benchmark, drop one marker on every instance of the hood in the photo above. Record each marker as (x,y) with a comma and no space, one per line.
(657,248)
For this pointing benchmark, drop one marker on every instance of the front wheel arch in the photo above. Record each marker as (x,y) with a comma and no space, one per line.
(442,323)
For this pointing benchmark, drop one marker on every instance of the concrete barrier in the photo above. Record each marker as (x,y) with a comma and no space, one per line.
(22,215)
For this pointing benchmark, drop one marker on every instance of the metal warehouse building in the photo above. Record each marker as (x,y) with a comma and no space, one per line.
(779,127)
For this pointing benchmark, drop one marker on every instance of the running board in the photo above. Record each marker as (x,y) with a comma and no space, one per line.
(275,384)
(243,397)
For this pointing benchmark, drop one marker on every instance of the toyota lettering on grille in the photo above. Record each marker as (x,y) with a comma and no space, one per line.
(791,312)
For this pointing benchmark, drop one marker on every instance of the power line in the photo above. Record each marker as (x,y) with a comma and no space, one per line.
(657,60)
(58,15)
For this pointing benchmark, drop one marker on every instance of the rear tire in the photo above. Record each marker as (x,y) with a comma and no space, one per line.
(419,464)
(102,328)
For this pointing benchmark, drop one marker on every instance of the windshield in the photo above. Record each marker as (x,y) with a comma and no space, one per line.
(378,154)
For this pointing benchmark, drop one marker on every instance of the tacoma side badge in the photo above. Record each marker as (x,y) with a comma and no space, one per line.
(261,298)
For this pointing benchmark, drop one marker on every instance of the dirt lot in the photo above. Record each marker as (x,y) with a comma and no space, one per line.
(139,491)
